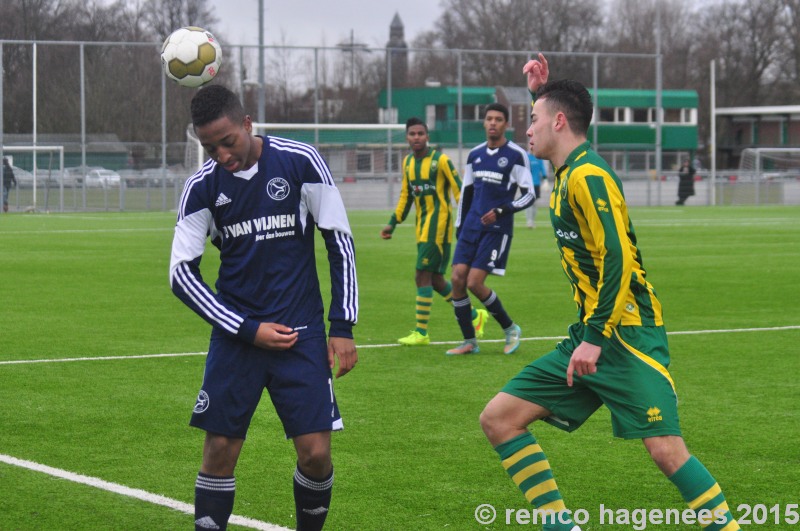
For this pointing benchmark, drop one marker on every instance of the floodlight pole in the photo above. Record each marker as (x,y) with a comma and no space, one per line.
(713,140)
(261,89)
(659,102)
(2,73)
(35,111)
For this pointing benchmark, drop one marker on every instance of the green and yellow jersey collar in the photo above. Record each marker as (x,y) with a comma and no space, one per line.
(576,155)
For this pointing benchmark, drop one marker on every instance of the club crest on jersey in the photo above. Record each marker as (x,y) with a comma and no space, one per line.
(502,162)
(202,402)
(278,188)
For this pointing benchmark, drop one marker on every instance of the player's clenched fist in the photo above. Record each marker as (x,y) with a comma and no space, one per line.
(275,336)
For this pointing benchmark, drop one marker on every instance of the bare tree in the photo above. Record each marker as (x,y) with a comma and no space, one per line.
(521,26)
(632,28)
(789,53)
(165,16)
(745,42)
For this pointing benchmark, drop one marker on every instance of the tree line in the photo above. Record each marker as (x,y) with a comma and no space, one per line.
(755,44)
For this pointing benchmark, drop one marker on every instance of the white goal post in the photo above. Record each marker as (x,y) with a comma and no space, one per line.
(352,151)
(365,160)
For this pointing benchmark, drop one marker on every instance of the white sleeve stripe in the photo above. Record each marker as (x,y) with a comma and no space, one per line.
(308,151)
(199,294)
(524,200)
(350,287)
(194,179)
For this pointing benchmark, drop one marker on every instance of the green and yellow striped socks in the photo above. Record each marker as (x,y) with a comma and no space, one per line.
(446,292)
(424,301)
(527,465)
(702,493)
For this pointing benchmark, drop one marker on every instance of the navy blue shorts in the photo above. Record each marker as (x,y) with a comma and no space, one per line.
(486,250)
(299,383)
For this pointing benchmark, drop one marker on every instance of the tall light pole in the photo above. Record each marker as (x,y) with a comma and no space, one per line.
(261,84)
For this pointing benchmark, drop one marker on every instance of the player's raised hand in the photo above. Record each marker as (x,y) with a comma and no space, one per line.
(537,72)
(275,336)
(345,349)
(386,233)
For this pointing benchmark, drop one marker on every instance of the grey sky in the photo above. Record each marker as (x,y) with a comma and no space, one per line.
(318,22)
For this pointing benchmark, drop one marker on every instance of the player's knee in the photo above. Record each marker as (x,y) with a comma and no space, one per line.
(478,288)
(493,424)
(669,453)
(315,461)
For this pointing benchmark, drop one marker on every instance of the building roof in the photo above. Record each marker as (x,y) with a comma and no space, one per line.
(758,111)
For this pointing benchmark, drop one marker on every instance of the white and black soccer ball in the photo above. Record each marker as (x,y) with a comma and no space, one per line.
(191,56)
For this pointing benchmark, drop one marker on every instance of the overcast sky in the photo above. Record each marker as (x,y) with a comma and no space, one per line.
(318,22)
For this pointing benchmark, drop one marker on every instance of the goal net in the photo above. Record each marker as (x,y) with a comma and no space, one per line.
(364,159)
(763,163)
(765,176)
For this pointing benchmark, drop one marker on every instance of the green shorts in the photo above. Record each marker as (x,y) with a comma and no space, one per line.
(632,381)
(433,257)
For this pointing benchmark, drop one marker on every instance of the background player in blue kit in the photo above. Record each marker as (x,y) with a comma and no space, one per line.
(538,174)
(259,200)
(485,225)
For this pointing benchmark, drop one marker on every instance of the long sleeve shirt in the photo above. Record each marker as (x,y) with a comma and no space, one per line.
(263,221)
(598,248)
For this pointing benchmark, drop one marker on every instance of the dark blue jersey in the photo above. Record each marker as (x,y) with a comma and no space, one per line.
(491,179)
(262,221)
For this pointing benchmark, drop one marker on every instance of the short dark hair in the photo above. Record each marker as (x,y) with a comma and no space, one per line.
(415,121)
(496,107)
(571,98)
(214,102)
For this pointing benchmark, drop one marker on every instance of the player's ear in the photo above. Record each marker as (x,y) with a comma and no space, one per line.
(560,121)
(247,123)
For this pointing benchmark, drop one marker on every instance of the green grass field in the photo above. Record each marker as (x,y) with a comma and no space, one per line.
(81,287)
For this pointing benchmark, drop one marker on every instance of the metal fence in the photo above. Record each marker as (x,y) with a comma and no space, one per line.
(114,109)
(152,191)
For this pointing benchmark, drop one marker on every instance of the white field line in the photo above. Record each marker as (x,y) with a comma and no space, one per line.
(132,493)
(235,519)
(391,345)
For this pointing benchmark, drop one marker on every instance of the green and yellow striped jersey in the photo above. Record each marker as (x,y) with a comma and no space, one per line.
(598,247)
(431,181)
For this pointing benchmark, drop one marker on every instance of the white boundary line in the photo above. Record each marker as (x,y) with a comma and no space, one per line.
(235,519)
(133,493)
(390,345)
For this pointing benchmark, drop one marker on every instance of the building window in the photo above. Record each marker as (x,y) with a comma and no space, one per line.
(673,116)
(395,162)
(612,114)
(471,113)
(642,116)
(364,161)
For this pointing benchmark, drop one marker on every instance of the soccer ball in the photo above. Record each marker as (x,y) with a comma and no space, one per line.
(191,56)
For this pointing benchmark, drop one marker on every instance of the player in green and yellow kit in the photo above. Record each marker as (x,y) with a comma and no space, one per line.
(616,354)
(430,179)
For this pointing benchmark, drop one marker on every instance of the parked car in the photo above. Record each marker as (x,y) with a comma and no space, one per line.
(24,177)
(102,178)
(44,178)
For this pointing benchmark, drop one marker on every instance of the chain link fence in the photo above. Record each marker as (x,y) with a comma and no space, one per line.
(122,125)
